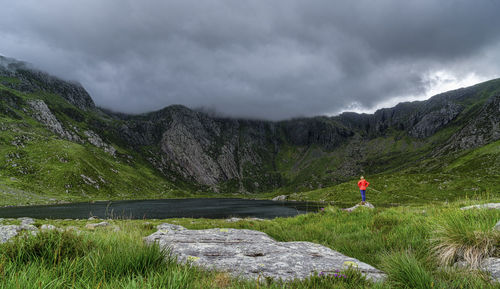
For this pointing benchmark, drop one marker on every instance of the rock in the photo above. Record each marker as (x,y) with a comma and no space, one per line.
(234,219)
(97,141)
(72,228)
(93,218)
(280,198)
(366,205)
(47,227)
(8,232)
(97,225)
(166,227)
(28,228)
(483,206)
(253,254)
(497,226)
(492,266)
(26,221)
(42,113)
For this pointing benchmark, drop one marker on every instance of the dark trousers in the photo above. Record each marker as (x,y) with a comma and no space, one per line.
(363,195)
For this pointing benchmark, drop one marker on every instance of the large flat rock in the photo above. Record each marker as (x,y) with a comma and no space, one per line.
(250,254)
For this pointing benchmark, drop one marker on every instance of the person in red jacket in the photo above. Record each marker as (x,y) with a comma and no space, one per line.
(363,184)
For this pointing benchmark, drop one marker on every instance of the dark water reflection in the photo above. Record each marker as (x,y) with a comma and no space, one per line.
(168,208)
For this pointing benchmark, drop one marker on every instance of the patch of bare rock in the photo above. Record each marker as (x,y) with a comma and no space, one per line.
(250,254)
(365,205)
(483,206)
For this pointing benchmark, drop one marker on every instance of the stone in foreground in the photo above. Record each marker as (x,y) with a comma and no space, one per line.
(492,266)
(483,206)
(250,254)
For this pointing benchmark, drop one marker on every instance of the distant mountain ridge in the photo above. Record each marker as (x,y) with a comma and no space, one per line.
(191,150)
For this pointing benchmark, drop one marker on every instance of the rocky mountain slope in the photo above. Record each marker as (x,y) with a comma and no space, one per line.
(55,141)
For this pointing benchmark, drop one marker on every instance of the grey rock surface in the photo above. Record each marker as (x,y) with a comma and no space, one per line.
(250,254)
(42,113)
(7,232)
(97,225)
(234,219)
(366,205)
(483,206)
(492,266)
(48,227)
(26,221)
(97,141)
(280,198)
(497,226)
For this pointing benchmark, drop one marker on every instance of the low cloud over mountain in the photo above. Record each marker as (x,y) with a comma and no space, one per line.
(259,59)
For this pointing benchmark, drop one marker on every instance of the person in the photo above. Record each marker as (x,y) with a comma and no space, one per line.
(363,184)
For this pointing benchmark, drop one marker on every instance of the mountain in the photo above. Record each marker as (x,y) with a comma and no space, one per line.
(57,145)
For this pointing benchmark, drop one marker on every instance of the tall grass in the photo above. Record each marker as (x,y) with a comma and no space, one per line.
(466,236)
(406,271)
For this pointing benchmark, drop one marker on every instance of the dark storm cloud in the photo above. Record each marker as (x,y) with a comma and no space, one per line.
(265,59)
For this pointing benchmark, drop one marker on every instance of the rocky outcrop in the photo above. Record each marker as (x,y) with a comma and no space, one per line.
(251,254)
(480,130)
(42,113)
(96,140)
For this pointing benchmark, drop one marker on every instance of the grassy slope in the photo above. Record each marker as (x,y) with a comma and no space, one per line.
(471,174)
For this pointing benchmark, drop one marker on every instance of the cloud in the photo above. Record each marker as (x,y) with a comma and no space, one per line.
(261,59)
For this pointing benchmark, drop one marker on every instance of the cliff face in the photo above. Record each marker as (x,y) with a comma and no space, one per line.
(214,151)
(247,155)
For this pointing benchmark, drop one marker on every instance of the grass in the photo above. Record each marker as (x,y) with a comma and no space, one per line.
(402,241)
(466,236)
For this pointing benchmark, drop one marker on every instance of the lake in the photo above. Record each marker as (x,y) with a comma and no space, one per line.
(167,208)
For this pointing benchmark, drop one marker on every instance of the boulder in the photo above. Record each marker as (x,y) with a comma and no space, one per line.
(252,254)
(47,227)
(492,266)
(497,226)
(26,221)
(366,205)
(280,198)
(8,232)
(97,225)
(483,206)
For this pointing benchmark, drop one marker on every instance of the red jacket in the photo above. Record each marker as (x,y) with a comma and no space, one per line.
(363,184)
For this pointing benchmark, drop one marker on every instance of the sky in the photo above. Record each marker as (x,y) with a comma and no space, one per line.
(259,59)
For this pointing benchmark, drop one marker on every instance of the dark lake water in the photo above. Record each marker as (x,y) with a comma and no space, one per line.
(160,209)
